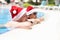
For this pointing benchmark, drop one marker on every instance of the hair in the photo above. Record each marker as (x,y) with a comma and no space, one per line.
(33,14)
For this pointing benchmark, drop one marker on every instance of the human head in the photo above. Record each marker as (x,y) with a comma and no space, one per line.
(23,18)
(19,15)
(32,16)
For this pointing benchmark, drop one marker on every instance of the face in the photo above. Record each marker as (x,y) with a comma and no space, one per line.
(23,18)
(32,16)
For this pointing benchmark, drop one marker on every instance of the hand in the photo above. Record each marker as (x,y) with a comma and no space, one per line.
(35,21)
(41,19)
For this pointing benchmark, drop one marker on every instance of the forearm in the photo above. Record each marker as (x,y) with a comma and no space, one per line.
(13,24)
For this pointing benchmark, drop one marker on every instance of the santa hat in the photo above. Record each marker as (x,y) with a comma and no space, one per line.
(17,12)
(29,8)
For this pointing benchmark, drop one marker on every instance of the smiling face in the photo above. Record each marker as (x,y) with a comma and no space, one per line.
(32,16)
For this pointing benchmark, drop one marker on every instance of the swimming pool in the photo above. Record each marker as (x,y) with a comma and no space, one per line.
(3,30)
(4,18)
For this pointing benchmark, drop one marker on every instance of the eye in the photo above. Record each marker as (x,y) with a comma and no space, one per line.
(14,12)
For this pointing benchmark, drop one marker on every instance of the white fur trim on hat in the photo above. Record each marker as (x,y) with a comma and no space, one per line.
(35,10)
(31,11)
(20,14)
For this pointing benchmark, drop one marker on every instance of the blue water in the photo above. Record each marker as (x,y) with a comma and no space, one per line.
(3,30)
(5,16)
(40,14)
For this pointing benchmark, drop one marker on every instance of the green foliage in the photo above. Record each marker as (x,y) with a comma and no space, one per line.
(51,1)
(51,5)
(26,4)
(32,3)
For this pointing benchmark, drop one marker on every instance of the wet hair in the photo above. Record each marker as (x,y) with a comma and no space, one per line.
(34,13)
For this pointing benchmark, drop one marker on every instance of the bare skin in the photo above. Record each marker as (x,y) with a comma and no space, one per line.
(22,19)
(24,23)
(21,23)
(33,17)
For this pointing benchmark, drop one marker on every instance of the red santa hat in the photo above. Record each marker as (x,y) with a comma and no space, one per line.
(17,12)
(29,8)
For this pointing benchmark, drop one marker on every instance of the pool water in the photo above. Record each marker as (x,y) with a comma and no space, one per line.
(3,30)
(4,18)
(40,14)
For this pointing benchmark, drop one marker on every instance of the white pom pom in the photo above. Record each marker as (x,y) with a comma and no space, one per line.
(14,12)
